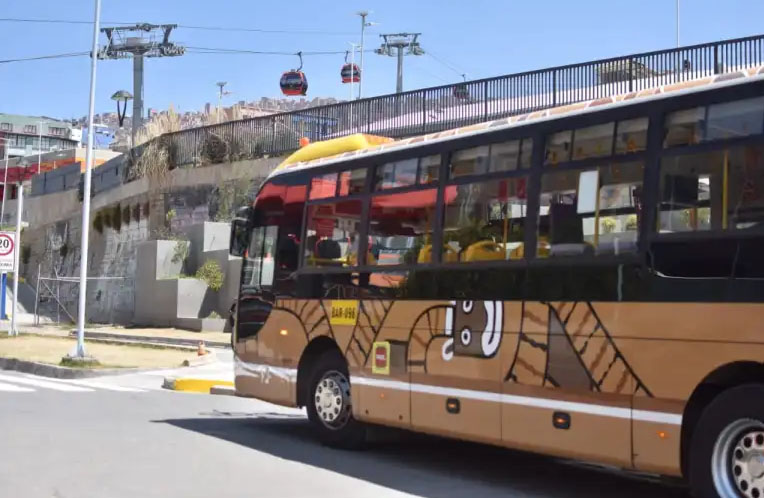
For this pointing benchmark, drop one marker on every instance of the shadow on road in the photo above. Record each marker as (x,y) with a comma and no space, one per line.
(426,466)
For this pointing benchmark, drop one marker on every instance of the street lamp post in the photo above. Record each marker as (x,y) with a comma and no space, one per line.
(121,96)
(80,353)
(363,14)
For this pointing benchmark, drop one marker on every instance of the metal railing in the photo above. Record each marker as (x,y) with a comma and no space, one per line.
(434,109)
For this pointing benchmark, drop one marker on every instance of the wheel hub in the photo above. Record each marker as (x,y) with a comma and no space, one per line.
(332,399)
(738,460)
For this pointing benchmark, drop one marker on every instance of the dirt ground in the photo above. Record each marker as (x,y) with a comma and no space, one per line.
(51,349)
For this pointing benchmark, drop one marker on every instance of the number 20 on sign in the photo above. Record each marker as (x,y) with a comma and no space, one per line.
(7,248)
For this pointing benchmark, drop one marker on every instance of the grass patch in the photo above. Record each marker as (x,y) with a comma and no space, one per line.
(51,350)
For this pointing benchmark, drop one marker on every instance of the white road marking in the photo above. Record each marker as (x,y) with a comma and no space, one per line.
(94,385)
(44,384)
(10,388)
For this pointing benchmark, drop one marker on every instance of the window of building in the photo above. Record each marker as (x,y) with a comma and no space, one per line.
(352,182)
(400,227)
(429,169)
(331,238)
(631,136)
(716,190)
(45,144)
(590,212)
(735,119)
(558,147)
(396,174)
(484,221)
(30,128)
(56,131)
(593,141)
(6,127)
(469,161)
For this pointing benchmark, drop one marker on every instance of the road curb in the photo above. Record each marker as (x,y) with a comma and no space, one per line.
(56,372)
(223,390)
(159,341)
(188,384)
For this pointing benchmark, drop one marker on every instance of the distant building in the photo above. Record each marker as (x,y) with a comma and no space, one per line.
(23,134)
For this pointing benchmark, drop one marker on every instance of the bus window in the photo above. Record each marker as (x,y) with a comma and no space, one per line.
(684,127)
(259,261)
(631,136)
(558,147)
(400,227)
(715,190)
(352,182)
(396,174)
(323,186)
(735,119)
(331,238)
(609,225)
(505,156)
(593,141)
(429,169)
(484,221)
(469,161)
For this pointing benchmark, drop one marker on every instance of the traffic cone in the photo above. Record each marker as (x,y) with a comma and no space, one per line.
(201,351)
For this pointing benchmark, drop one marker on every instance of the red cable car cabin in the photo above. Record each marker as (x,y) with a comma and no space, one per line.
(350,73)
(294,83)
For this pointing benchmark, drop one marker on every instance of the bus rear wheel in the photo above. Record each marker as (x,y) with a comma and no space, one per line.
(727,449)
(330,408)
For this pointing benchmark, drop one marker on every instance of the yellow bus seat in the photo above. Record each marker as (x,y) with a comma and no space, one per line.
(485,250)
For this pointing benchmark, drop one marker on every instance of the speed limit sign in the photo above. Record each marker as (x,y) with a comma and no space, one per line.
(7,250)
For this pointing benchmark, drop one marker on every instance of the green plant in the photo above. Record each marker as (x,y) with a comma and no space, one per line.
(631,222)
(98,222)
(106,216)
(126,215)
(26,254)
(608,225)
(214,314)
(229,197)
(180,251)
(137,213)
(211,274)
(116,217)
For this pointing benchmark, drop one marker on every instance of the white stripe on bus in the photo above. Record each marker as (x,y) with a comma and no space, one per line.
(511,399)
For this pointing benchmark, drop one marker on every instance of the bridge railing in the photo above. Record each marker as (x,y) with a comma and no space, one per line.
(434,109)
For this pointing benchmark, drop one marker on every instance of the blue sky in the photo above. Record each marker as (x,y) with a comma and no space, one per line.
(479,37)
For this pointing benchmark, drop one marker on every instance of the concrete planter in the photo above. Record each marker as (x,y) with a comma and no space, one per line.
(202,324)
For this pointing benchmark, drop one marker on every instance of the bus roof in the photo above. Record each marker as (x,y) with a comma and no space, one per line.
(328,152)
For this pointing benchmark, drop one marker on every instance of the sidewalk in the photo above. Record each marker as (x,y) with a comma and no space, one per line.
(146,335)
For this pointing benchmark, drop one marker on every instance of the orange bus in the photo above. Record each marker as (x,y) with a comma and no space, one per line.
(585,281)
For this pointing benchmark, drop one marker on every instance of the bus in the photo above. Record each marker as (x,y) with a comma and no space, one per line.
(584,281)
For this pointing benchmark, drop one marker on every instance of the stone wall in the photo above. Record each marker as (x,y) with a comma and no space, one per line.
(52,241)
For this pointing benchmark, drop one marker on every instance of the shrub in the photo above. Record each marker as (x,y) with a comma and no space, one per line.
(180,252)
(98,222)
(214,314)
(211,274)
(26,254)
(116,217)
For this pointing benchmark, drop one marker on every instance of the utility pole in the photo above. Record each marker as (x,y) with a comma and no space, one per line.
(363,14)
(406,44)
(120,45)
(677,23)
(85,229)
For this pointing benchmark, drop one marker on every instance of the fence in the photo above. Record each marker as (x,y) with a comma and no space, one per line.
(434,109)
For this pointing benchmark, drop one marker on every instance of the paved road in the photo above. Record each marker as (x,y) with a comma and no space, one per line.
(125,437)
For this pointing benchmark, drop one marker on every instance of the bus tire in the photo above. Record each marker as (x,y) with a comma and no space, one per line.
(726,457)
(329,405)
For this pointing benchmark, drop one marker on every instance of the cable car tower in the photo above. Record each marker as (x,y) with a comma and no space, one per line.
(139,41)
(407,44)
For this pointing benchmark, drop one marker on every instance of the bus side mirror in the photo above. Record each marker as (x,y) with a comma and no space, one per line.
(240,231)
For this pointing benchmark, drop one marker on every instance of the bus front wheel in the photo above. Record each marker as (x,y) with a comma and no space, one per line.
(330,406)
(727,449)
